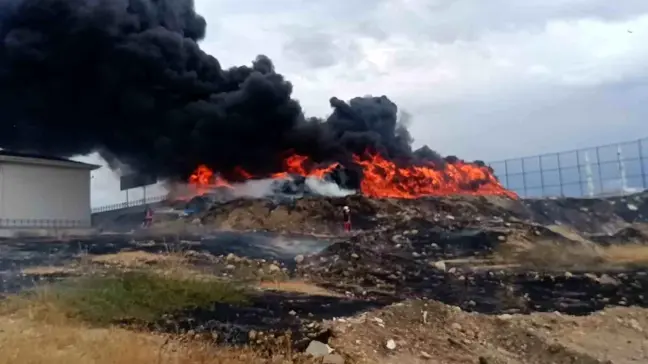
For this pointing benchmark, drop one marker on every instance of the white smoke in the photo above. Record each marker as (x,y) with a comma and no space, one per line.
(255,188)
(267,188)
(327,188)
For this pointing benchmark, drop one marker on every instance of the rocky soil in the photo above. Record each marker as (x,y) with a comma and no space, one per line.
(468,252)
(317,214)
(438,280)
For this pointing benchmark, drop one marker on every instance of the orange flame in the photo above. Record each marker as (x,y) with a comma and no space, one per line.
(295,164)
(204,179)
(381,178)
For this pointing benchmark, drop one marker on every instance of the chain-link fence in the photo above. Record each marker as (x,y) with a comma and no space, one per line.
(604,170)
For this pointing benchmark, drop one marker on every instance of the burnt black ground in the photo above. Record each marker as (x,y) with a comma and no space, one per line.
(388,259)
(270,314)
(18,254)
(391,269)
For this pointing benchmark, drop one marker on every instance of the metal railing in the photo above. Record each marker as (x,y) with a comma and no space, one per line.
(611,169)
(43,223)
(130,203)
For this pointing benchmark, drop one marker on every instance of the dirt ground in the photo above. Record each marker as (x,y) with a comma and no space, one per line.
(430,332)
(422,332)
(24,340)
(446,270)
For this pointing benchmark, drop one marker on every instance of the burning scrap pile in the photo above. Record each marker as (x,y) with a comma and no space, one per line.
(188,118)
(378,177)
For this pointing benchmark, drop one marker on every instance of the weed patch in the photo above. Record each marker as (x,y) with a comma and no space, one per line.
(134,296)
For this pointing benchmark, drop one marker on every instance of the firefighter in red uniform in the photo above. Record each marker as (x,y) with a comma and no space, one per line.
(346,213)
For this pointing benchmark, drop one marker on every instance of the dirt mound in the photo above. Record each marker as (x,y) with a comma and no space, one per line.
(629,235)
(322,214)
(429,332)
(592,215)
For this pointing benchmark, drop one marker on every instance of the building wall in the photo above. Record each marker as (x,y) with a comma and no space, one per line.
(44,196)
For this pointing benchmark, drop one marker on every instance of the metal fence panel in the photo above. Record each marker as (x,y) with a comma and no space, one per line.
(607,169)
(130,203)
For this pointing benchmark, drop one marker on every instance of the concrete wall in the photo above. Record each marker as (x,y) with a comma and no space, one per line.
(42,193)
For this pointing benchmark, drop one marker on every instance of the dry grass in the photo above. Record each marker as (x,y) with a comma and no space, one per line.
(298,287)
(133,259)
(47,327)
(49,270)
(577,255)
(568,233)
(631,254)
(27,341)
(58,323)
(559,255)
(71,321)
(170,263)
(140,297)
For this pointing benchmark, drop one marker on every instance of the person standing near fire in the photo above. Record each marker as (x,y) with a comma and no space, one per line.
(148,217)
(346,216)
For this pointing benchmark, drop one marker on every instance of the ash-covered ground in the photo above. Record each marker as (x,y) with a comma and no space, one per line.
(442,248)
(24,262)
(489,255)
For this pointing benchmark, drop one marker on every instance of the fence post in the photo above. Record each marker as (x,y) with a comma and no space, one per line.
(542,184)
(560,179)
(598,166)
(641,161)
(580,173)
(524,184)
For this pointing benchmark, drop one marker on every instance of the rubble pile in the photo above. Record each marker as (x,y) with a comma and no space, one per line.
(277,190)
(322,214)
(629,235)
(364,270)
(438,249)
(593,215)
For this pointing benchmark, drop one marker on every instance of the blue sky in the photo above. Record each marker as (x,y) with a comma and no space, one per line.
(482,79)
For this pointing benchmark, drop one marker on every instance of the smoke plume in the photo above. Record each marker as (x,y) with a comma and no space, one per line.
(127,78)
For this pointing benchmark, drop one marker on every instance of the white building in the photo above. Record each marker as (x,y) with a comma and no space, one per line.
(43,196)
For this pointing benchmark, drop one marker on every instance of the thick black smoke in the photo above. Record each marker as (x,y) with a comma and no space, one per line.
(127,78)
